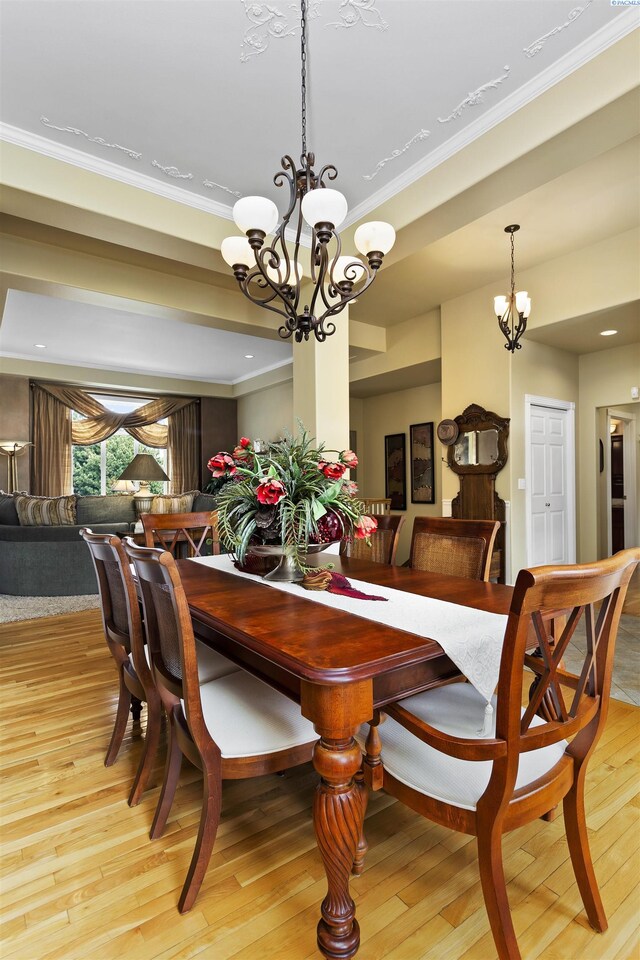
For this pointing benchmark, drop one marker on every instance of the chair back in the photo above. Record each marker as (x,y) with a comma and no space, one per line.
(169,631)
(576,705)
(459,548)
(186,532)
(121,617)
(384,541)
(376,506)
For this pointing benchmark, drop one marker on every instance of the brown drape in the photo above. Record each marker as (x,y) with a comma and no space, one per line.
(51,456)
(183,451)
(101,423)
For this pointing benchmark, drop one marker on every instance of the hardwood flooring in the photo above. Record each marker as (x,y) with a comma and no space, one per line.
(80,878)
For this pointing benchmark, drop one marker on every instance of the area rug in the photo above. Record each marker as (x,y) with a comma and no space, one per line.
(30,608)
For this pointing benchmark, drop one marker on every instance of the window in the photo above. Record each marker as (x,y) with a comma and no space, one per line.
(96,467)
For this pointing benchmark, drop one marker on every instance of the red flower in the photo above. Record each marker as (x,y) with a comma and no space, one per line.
(245,442)
(222,464)
(349,459)
(365,527)
(332,471)
(350,487)
(241,454)
(270,491)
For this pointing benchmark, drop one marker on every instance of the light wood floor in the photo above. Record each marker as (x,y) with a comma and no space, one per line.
(81,879)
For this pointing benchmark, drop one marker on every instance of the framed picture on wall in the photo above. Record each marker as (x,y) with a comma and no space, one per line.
(395,470)
(421,454)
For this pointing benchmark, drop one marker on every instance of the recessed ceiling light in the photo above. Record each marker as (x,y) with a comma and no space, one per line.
(40,346)
(248,356)
(607,333)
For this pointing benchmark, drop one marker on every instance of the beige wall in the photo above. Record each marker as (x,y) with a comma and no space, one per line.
(14,424)
(267,413)
(606,379)
(393,413)
(356,423)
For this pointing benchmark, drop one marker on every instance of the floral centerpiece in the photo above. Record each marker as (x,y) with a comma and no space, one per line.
(292,496)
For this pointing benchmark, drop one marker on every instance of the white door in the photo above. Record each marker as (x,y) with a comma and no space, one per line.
(550,483)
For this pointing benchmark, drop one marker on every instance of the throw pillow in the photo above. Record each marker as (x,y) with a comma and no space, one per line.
(45,511)
(8,512)
(174,503)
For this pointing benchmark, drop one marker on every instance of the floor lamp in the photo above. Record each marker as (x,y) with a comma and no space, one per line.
(12,449)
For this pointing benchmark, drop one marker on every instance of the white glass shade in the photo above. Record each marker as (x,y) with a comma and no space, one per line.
(348,268)
(237,250)
(521,300)
(324,206)
(500,306)
(279,274)
(255,213)
(374,236)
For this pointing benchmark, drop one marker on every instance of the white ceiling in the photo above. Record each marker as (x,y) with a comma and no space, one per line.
(188,91)
(82,334)
(166,94)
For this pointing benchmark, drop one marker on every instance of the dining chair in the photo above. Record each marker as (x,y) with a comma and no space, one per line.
(182,534)
(459,548)
(376,506)
(234,727)
(122,625)
(384,541)
(428,753)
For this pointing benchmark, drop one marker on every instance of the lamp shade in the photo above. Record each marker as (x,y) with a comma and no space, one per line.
(237,250)
(375,235)
(143,467)
(255,213)
(323,205)
(348,268)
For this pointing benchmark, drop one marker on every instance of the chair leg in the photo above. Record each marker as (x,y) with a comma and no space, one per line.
(169,783)
(149,750)
(494,888)
(209,820)
(363,846)
(120,725)
(136,708)
(578,841)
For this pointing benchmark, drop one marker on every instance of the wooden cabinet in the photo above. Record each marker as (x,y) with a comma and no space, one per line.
(477,456)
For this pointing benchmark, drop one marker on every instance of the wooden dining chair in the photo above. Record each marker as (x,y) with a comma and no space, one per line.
(460,548)
(376,506)
(182,534)
(429,754)
(122,625)
(234,727)
(384,541)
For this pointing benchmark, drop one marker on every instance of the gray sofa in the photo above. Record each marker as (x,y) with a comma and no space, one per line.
(55,561)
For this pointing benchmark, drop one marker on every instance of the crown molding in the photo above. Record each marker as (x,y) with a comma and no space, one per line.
(618,28)
(106,168)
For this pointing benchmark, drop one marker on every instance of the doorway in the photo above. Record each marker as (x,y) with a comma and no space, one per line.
(620,482)
(550,480)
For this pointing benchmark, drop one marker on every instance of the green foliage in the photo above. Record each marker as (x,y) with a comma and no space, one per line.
(86,470)
(86,464)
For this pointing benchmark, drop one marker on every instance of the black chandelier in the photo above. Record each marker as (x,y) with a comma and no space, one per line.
(513,311)
(270,275)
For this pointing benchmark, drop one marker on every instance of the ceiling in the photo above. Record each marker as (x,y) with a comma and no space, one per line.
(197,100)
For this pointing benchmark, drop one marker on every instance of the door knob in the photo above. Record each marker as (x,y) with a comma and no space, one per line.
(547,504)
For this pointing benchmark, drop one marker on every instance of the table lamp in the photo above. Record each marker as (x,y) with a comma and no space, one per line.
(123,486)
(143,468)
(12,449)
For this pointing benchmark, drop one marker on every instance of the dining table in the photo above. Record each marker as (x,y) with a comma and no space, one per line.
(340,667)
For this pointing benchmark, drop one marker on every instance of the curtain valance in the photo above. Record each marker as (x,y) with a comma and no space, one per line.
(100,423)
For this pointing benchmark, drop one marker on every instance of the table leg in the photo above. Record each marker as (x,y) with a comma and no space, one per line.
(338,814)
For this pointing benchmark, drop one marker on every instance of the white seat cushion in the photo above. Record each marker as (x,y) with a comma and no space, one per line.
(247,717)
(212,665)
(456,709)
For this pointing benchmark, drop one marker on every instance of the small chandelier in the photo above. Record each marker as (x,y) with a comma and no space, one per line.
(271,275)
(513,311)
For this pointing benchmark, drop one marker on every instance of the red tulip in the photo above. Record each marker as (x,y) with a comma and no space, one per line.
(365,527)
(349,459)
(270,491)
(332,471)
(221,464)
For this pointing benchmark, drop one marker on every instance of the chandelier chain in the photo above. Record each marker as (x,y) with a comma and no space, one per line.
(303,71)
(513,265)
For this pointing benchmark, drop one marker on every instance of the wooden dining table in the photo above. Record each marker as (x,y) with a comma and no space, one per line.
(339,667)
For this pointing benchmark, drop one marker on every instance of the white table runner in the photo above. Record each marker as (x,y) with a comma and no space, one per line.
(471,638)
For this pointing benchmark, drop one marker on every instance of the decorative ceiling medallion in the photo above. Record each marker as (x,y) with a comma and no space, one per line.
(211,184)
(172,171)
(420,135)
(100,140)
(538,44)
(355,12)
(268,23)
(475,97)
